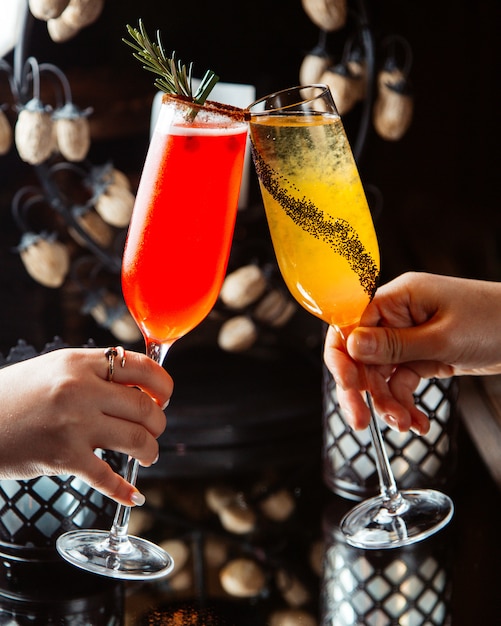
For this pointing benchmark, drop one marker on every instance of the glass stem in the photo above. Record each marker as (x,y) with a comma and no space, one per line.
(118,533)
(118,538)
(390,494)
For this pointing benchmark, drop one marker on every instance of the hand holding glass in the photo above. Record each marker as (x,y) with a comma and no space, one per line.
(327,252)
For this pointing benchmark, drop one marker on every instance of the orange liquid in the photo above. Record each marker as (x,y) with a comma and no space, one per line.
(319,220)
(181,230)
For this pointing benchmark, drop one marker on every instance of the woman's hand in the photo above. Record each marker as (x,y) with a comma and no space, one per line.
(418,326)
(59,407)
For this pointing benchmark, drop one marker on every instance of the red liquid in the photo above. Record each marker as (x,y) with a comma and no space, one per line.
(180,234)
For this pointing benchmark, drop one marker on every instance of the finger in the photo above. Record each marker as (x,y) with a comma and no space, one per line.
(343,368)
(125,437)
(420,424)
(133,405)
(428,368)
(403,385)
(390,408)
(100,476)
(354,409)
(140,371)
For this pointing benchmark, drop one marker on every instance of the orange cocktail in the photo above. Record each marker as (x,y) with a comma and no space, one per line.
(319,220)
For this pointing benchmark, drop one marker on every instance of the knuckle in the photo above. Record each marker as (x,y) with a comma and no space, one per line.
(394,346)
(138,440)
(150,414)
(144,406)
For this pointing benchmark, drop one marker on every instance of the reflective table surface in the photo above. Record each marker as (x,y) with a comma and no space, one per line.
(275,557)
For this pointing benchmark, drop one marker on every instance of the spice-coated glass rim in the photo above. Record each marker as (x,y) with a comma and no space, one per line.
(232,112)
(306,98)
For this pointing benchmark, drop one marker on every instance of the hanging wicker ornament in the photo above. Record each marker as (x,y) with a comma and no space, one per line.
(123,327)
(243,287)
(347,79)
(72,132)
(101,176)
(238,517)
(46,260)
(33,133)
(243,578)
(344,85)
(314,65)
(218,497)
(278,506)
(110,312)
(237,334)
(393,112)
(93,225)
(329,15)
(47,9)
(394,105)
(117,177)
(77,15)
(358,70)
(275,309)
(60,31)
(6,134)
(82,13)
(115,205)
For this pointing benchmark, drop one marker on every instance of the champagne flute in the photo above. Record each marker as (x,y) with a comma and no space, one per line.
(327,252)
(174,263)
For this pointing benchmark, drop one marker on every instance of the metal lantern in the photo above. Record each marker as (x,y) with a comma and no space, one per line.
(349,469)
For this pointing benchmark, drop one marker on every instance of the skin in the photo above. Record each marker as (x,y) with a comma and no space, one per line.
(59,407)
(417,326)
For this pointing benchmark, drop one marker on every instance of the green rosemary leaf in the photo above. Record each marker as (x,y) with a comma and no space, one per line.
(172,76)
(206,86)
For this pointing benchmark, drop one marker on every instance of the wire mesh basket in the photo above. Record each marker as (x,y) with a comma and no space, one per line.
(349,467)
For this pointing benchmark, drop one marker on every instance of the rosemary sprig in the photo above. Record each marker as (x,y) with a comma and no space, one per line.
(172,76)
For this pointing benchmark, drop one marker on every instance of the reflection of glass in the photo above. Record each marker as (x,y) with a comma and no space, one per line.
(327,251)
(411,586)
(60,598)
(174,263)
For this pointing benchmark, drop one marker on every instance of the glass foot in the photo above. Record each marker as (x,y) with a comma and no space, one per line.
(372,526)
(136,558)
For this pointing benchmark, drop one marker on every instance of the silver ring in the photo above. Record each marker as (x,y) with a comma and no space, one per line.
(111,354)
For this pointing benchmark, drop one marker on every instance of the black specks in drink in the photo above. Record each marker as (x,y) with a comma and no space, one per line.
(335,232)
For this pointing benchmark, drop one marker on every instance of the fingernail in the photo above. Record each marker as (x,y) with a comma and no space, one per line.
(155,460)
(165,405)
(365,341)
(137,498)
(391,422)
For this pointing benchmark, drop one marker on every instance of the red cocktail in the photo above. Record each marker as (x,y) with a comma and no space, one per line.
(180,233)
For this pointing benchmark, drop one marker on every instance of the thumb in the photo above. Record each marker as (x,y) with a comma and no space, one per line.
(382,346)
